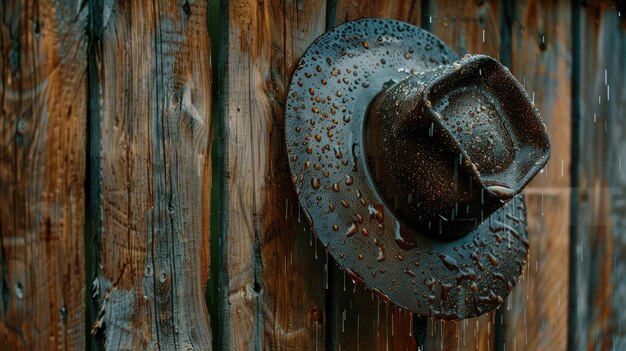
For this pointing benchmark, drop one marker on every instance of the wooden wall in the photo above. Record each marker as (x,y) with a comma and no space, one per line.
(146,199)
(43,102)
(150,185)
(274,269)
(536,313)
(599,254)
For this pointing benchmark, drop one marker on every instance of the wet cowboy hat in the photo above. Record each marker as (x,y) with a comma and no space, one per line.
(409,162)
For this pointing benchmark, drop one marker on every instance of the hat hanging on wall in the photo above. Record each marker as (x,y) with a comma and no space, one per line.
(409,162)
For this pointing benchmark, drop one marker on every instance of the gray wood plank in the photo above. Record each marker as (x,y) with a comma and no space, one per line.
(600,223)
(150,104)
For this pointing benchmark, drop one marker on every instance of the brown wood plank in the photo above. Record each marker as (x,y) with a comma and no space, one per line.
(467,27)
(467,334)
(275,299)
(365,322)
(600,261)
(406,11)
(151,104)
(361,320)
(536,310)
(42,171)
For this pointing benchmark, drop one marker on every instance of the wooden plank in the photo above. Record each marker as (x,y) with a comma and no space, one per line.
(150,101)
(406,11)
(467,334)
(600,260)
(42,167)
(467,27)
(536,310)
(275,298)
(362,321)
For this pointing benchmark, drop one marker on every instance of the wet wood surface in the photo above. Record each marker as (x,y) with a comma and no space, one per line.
(106,176)
(42,170)
(150,103)
(536,312)
(599,258)
(408,11)
(275,269)
(466,26)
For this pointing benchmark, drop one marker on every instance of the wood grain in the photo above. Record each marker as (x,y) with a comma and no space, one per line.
(42,170)
(467,26)
(150,110)
(275,298)
(462,25)
(600,261)
(406,11)
(362,321)
(536,310)
(146,137)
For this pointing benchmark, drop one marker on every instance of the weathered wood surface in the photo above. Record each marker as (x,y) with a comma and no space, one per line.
(600,255)
(406,11)
(42,170)
(146,81)
(150,99)
(536,311)
(467,27)
(275,269)
(362,321)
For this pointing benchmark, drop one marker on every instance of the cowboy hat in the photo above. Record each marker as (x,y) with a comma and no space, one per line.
(409,162)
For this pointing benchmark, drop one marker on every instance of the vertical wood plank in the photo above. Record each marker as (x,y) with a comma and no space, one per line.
(467,334)
(275,299)
(42,166)
(536,310)
(600,260)
(351,10)
(362,321)
(151,98)
(467,27)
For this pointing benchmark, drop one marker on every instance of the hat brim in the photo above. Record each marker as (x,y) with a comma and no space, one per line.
(330,91)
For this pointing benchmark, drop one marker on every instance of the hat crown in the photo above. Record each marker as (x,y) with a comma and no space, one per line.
(449,146)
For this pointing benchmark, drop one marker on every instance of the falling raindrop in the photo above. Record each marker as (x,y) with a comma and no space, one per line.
(19,291)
